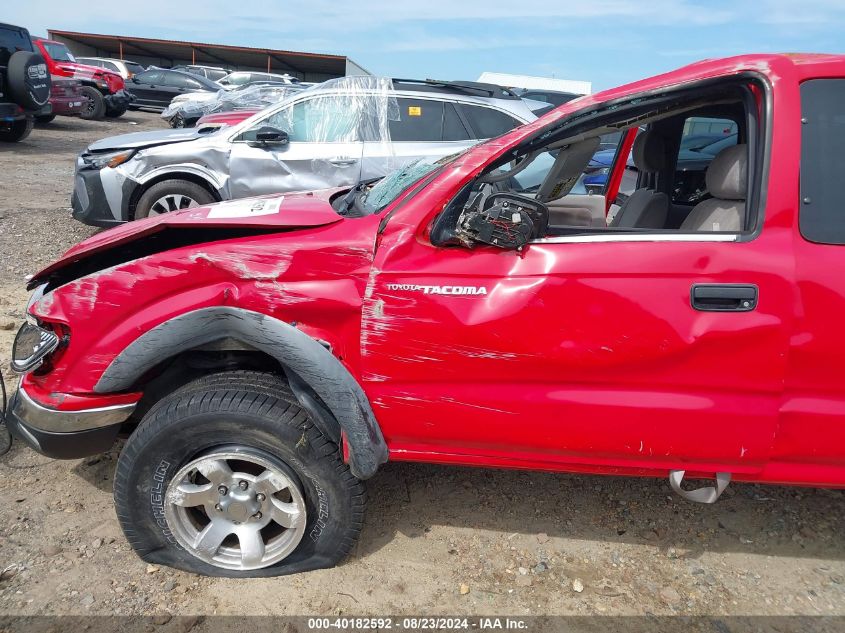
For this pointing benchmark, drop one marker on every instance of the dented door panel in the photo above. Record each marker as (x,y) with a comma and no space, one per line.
(292,167)
(578,351)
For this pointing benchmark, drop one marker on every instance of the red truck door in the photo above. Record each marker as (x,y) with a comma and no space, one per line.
(584,349)
(810,444)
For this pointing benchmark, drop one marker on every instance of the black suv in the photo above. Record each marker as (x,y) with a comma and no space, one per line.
(24,84)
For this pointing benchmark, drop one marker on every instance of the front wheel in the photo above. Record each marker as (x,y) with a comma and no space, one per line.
(171,195)
(228,476)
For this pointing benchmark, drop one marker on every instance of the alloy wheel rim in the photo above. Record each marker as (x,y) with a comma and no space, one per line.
(172,202)
(236,509)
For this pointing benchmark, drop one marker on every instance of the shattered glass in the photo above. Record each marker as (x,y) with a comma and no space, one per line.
(391,186)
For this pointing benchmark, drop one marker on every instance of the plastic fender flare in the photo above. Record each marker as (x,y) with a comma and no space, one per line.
(295,351)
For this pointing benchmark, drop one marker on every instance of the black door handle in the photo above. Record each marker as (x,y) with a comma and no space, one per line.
(724,297)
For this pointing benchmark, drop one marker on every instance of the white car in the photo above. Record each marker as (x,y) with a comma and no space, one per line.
(123,67)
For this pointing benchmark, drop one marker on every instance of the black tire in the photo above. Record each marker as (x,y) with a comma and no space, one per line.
(45,118)
(113,113)
(173,187)
(95,108)
(28,80)
(248,409)
(16,131)
(177,121)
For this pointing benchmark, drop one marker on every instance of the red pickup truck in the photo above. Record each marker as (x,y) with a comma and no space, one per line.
(102,90)
(266,356)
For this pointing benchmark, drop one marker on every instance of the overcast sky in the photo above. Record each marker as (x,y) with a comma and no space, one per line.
(608,42)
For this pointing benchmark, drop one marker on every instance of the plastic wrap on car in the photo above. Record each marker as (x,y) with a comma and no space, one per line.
(257,96)
(335,120)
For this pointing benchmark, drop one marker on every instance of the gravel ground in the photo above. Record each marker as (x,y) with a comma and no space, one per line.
(436,540)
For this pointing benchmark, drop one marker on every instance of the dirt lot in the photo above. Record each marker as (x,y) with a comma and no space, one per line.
(436,540)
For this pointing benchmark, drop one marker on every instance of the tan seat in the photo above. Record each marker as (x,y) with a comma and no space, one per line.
(645,208)
(726,180)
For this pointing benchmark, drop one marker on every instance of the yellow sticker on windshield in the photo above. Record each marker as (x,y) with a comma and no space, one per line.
(414,111)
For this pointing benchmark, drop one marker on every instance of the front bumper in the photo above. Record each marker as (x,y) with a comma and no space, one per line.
(89,202)
(64,434)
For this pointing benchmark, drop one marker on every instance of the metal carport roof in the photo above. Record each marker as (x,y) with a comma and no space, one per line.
(306,66)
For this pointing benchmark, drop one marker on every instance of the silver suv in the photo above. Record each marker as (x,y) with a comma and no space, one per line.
(336,134)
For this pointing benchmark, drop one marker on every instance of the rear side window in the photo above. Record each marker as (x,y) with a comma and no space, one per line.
(487,122)
(150,77)
(822,213)
(180,81)
(427,120)
(453,127)
(419,120)
(134,68)
(110,66)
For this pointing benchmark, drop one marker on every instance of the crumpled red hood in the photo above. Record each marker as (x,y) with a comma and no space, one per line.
(267,213)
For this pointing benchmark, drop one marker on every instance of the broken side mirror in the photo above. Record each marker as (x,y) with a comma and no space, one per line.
(269,135)
(504,220)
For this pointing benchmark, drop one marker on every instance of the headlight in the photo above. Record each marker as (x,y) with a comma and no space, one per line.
(112,159)
(32,345)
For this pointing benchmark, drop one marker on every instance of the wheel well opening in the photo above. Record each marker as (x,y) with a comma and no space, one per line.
(176,371)
(198,180)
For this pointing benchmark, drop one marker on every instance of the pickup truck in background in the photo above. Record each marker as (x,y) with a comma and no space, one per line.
(103,90)
(264,356)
